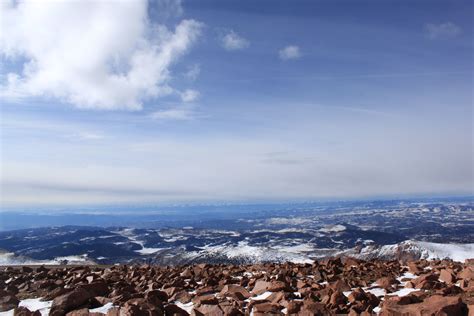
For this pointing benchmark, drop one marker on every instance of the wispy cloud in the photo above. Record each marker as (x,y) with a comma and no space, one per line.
(290,52)
(442,31)
(189,95)
(87,136)
(193,72)
(233,41)
(72,55)
(178,113)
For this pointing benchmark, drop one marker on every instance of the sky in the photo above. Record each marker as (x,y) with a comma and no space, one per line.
(203,101)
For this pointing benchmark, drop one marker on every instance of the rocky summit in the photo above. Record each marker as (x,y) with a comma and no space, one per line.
(330,287)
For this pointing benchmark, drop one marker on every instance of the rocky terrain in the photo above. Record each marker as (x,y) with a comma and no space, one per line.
(326,287)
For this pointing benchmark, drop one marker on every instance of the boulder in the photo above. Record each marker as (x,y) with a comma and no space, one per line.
(8,302)
(387,282)
(433,305)
(65,303)
(447,276)
(23,311)
(260,287)
(172,309)
(236,291)
(338,298)
(208,309)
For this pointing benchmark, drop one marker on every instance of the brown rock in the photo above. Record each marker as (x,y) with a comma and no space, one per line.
(208,309)
(293,307)
(96,288)
(337,298)
(340,286)
(183,297)
(8,302)
(277,286)
(139,307)
(79,312)
(114,311)
(23,311)
(415,268)
(357,295)
(172,309)
(314,309)
(387,282)
(70,301)
(156,297)
(102,300)
(433,305)
(205,299)
(266,308)
(467,273)
(236,291)
(260,287)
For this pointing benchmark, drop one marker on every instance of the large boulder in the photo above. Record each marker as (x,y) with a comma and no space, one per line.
(433,305)
(65,303)
(8,302)
(236,291)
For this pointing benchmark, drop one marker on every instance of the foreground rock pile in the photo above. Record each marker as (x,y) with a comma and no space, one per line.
(327,287)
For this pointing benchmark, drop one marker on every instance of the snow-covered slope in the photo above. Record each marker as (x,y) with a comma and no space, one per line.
(10,259)
(412,249)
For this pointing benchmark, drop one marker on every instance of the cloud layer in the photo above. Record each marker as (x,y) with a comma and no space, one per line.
(85,54)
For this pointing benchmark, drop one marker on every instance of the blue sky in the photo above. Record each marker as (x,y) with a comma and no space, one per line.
(199,101)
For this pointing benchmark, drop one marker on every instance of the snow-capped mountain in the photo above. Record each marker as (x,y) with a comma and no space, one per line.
(401,231)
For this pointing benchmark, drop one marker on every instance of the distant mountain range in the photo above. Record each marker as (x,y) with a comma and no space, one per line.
(387,231)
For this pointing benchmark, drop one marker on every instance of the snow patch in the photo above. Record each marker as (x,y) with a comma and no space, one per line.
(103,309)
(333,229)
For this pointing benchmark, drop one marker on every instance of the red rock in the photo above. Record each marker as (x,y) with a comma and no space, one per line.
(467,273)
(205,299)
(433,305)
(277,286)
(266,308)
(415,268)
(340,286)
(314,309)
(387,282)
(260,287)
(447,276)
(207,309)
(236,291)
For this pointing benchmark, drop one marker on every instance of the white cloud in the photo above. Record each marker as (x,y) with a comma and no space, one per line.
(180,113)
(233,41)
(84,54)
(189,95)
(290,52)
(193,72)
(442,31)
(88,136)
